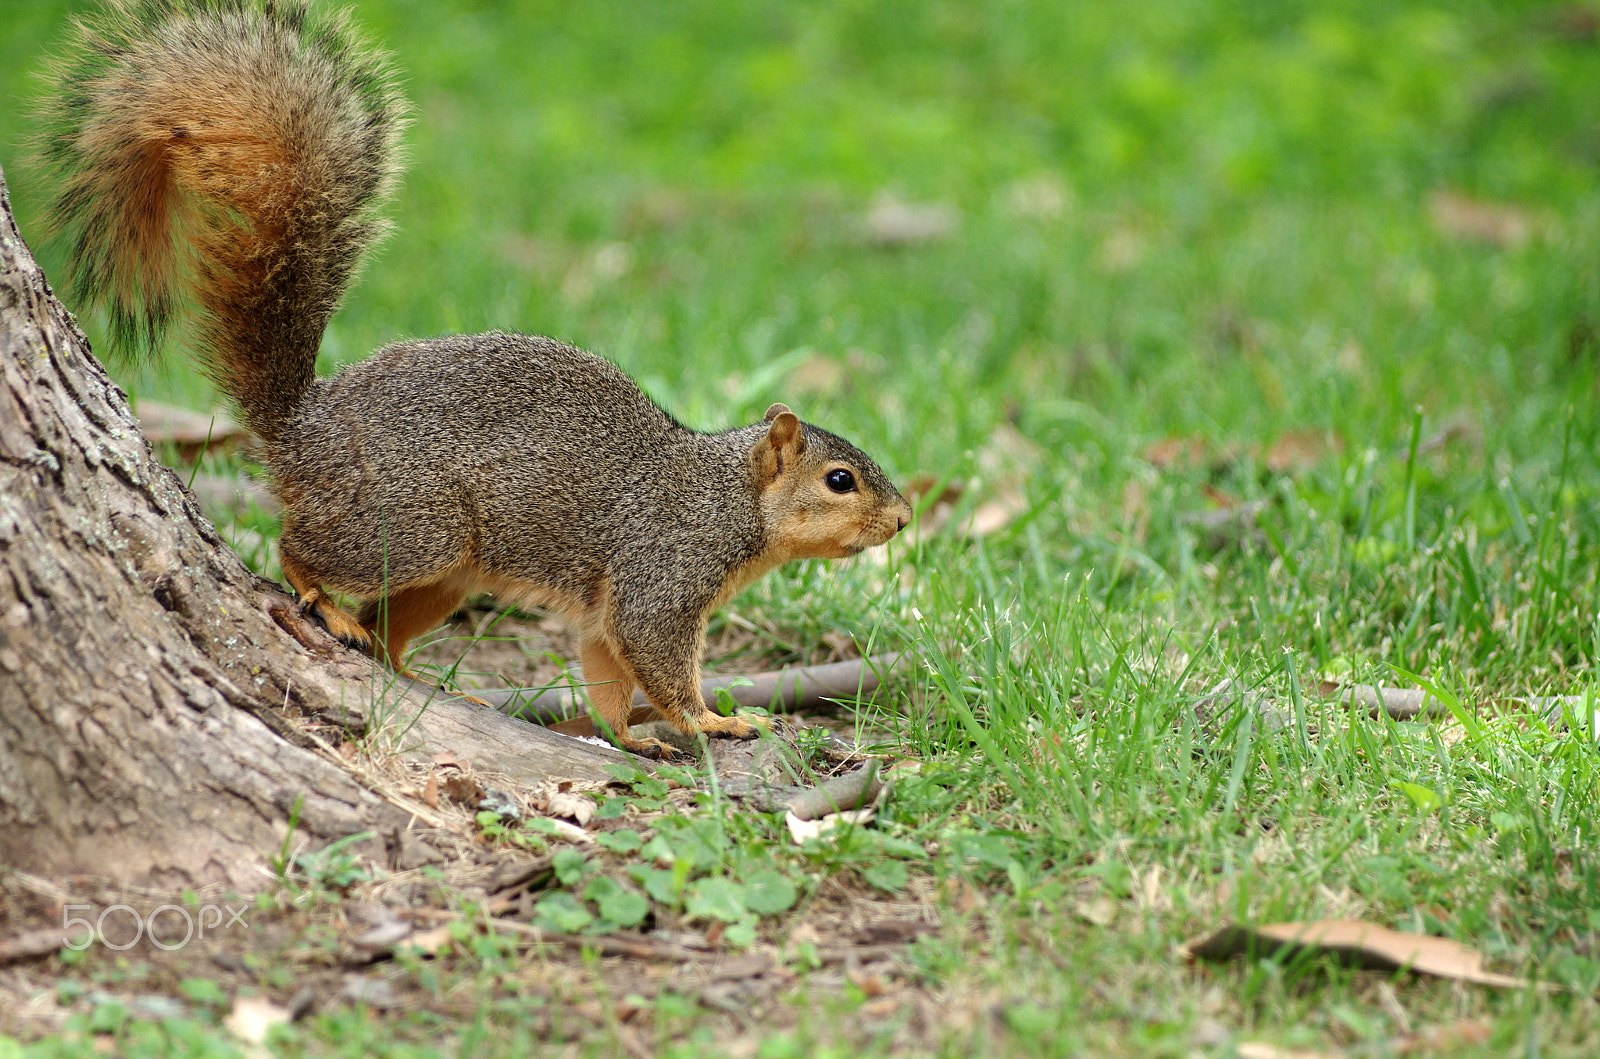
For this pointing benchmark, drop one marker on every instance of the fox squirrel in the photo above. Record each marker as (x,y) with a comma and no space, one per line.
(220,163)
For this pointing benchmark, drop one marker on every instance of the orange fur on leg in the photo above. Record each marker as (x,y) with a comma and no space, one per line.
(313,600)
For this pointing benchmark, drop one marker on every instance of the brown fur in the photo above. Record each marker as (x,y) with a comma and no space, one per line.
(224,159)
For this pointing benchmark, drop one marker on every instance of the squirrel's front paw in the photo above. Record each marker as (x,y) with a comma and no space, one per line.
(656,750)
(739,726)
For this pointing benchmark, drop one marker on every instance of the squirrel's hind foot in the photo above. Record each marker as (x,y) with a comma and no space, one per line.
(341,626)
(315,604)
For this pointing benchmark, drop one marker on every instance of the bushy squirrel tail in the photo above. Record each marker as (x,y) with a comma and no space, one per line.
(220,163)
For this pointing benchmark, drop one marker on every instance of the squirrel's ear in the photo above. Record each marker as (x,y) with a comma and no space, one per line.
(783,444)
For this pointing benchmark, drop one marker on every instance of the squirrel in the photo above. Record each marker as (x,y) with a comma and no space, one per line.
(220,166)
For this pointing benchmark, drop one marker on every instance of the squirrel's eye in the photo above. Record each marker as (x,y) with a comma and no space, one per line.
(840,480)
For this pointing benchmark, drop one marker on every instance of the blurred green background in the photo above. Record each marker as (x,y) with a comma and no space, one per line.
(1193,217)
(1104,224)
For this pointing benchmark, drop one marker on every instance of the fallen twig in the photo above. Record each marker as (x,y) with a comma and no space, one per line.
(1402,704)
(849,791)
(46,941)
(1409,704)
(564,710)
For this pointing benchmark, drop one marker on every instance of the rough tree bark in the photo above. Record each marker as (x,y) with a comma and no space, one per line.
(144,685)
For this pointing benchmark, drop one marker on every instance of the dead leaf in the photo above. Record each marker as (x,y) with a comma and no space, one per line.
(382,936)
(936,512)
(800,830)
(890,222)
(253,1016)
(893,931)
(1005,461)
(1263,1050)
(1220,527)
(1173,451)
(431,942)
(1156,899)
(804,934)
(375,927)
(376,993)
(191,433)
(1291,452)
(1459,431)
(997,513)
(1361,944)
(1448,1039)
(1101,911)
(1043,197)
(1007,451)
(628,1008)
(430,791)
(463,790)
(1462,216)
(818,375)
(572,806)
(1302,450)
(445,759)
(882,1007)
(871,985)
(961,895)
(736,968)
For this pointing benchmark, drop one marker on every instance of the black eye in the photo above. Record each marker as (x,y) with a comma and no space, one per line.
(840,480)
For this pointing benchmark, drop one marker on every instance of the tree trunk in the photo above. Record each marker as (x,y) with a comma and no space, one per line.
(147,696)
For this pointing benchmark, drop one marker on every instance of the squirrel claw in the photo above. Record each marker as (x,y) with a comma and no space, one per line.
(356,643)
(298,621)
(656,750)
(334,621)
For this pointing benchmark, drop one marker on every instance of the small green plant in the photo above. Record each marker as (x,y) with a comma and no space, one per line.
(531,834)
(727,705)
(282,861)
(334,866)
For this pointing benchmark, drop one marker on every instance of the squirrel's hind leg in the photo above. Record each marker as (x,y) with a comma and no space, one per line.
(314,601)
(393,621)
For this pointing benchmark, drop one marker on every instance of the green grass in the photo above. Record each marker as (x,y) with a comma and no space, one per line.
(1201,220)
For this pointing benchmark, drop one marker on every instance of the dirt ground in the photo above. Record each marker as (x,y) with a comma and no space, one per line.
(846,945)
(859,945)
